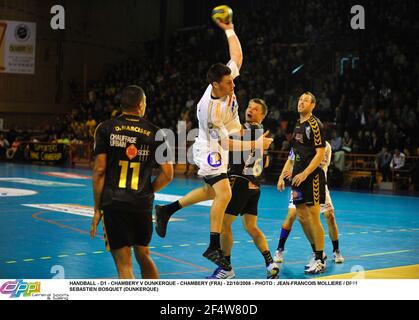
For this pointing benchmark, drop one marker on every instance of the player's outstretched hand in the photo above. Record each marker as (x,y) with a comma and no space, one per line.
(95,221)
(224,26)
(266,140)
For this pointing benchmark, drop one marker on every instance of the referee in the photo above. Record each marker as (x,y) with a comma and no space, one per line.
(125,154)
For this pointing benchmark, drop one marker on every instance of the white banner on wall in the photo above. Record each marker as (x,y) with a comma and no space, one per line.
(17,47)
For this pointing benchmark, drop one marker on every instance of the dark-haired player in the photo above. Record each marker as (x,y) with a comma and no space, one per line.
(218,118)
(125,150)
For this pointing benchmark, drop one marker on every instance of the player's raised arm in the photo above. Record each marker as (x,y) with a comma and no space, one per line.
(236,53)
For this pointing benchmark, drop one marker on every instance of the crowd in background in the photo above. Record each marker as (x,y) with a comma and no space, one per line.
(367,99)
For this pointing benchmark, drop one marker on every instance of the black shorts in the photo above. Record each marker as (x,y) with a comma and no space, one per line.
(126,227)
(213,179)
(312,191)
(243,199)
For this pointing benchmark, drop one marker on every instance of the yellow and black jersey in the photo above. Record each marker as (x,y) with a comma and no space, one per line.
(307,137)
(248,164)
(130,145)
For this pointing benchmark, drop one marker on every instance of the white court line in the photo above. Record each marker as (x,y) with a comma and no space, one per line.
(172,198)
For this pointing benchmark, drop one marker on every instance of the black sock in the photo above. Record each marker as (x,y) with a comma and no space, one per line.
(281,244)
(214,240)
(283,238)
(228,258)
(268,258)
(313,247)
(173,207)
(335,245)
(319,255)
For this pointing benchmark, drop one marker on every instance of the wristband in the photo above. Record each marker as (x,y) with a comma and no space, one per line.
(230,33)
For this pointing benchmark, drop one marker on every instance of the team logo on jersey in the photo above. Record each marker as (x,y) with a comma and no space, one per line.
(308,132)
(214,159)
(131,152)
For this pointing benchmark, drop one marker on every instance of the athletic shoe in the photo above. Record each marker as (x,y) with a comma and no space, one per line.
(313,259)
(272,271)
(337,257)
(162,219)
(279,256)
(316,267)
(217,256)
(220,273)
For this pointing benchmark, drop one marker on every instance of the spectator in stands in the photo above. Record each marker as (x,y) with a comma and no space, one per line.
(337,152)
(359,144)
(12,134)
(336,141)
(13,152)
(375,143)
(4,145)
(365,96)
(383,160)
(398,160)
(279,139)
(91,125)
(347,142)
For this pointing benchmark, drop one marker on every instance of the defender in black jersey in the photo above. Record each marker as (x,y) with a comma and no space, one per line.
(125,150)
(245,172)
(308,180)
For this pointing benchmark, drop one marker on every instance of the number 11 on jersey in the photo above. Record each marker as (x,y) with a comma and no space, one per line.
(135,166)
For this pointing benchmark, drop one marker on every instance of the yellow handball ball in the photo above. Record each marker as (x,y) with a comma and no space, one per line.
(223,13)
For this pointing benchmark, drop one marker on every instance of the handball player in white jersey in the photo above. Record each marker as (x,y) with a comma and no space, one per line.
(218,119)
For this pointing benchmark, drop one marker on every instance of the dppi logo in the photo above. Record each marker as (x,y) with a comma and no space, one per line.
(16,288)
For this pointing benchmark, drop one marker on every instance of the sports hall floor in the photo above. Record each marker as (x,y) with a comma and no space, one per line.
(45,234)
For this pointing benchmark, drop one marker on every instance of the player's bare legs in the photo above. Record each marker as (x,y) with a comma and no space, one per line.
(317,232)
(329,215)
(204,193)
(227,234)
(163,213)
(332,226)
(222,197)
(123,262)
(285,231)
(250,225)
(304,216)
(148,268)
(290,218)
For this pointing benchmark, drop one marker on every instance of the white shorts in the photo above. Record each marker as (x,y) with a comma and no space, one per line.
(328,204)
(210,162)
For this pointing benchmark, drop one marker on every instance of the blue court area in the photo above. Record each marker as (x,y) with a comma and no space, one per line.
(45,234)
